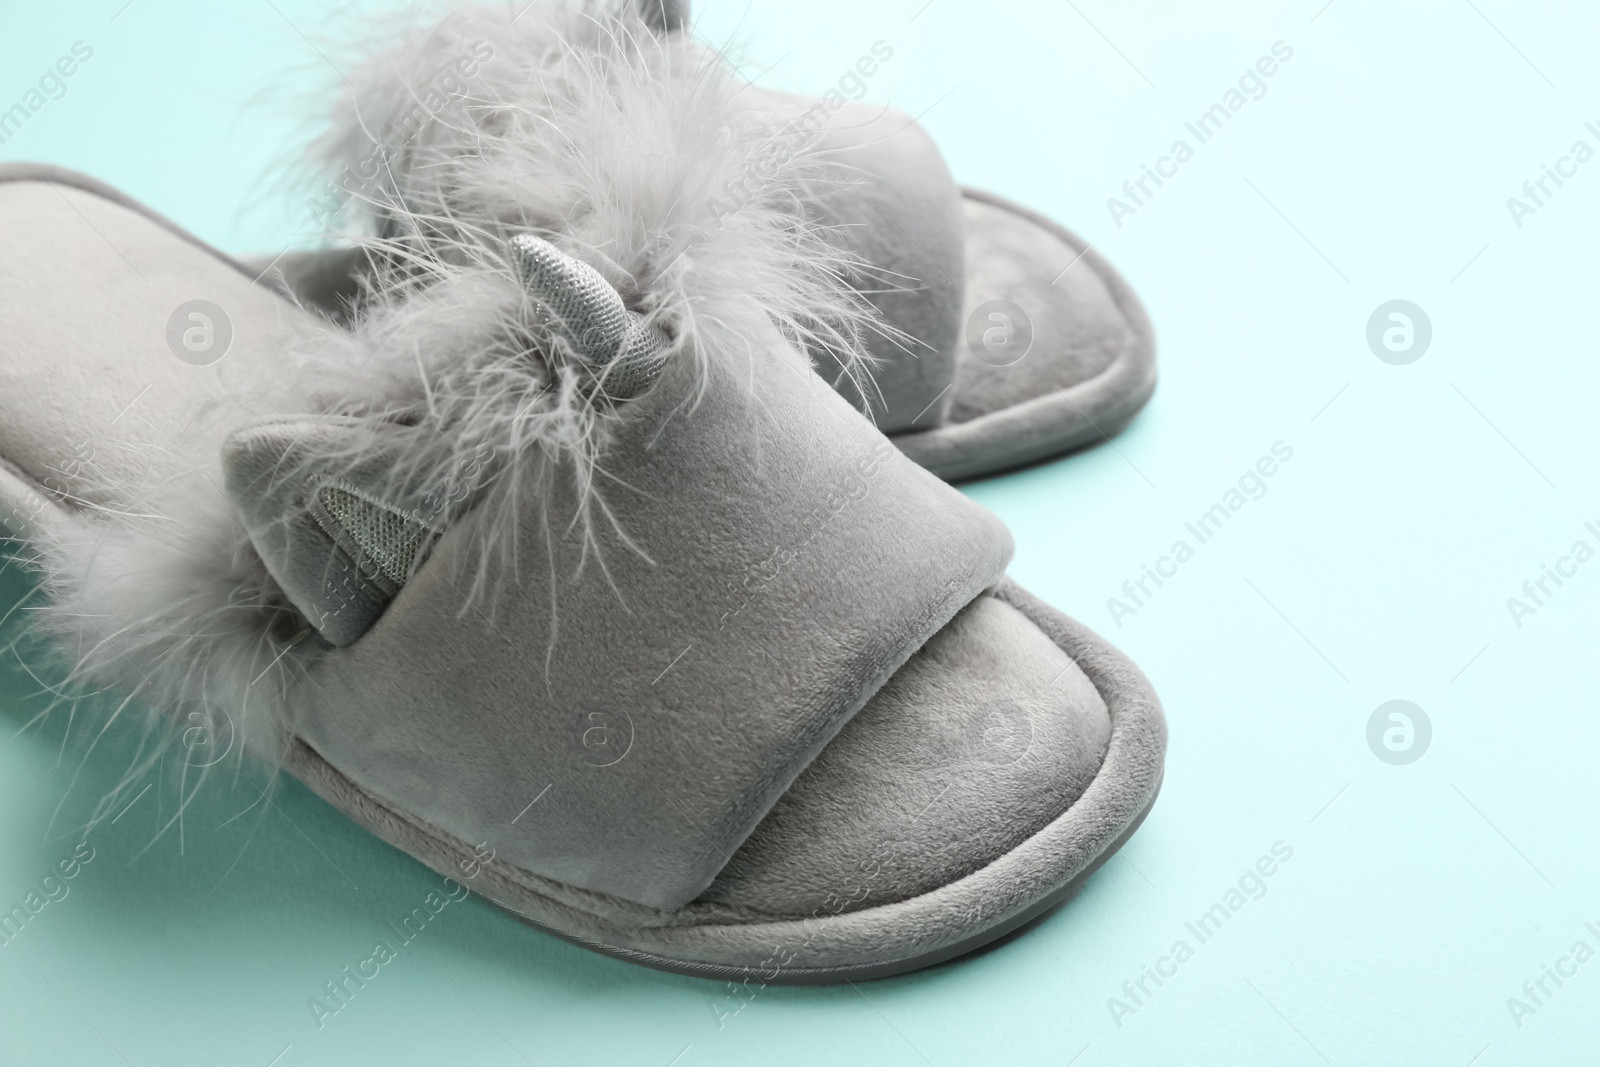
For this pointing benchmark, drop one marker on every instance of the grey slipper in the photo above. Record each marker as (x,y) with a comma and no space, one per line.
(1013,341)
(606,607)
(1026,344)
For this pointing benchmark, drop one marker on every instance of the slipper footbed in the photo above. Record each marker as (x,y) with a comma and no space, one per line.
(1072,331)
(1056,351)
(985,736)
(91,387)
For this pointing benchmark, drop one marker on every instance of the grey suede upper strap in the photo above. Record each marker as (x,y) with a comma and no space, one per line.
(890,197)
(621,713)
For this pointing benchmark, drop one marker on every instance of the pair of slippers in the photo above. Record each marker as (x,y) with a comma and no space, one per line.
(527,533)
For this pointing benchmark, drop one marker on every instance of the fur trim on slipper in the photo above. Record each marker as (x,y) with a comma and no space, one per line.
(621,152)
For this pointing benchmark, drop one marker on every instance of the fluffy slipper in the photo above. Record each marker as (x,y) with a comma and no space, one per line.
(1012,340)
(560,568)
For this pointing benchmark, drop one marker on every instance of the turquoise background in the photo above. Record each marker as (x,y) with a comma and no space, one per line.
(1376,567)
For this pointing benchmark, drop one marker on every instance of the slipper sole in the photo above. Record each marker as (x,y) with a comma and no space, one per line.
(886,940)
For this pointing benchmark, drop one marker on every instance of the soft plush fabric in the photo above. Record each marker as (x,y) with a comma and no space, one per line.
(1012,258)
(831,942)
(926,255)
(888,196)
(279,472)
(870,175)
(644,638)
(766,562)
(96,381)
(1091,366)
(325,280)
(1017,851)
(1089,370)
(441,357)
(986,735)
